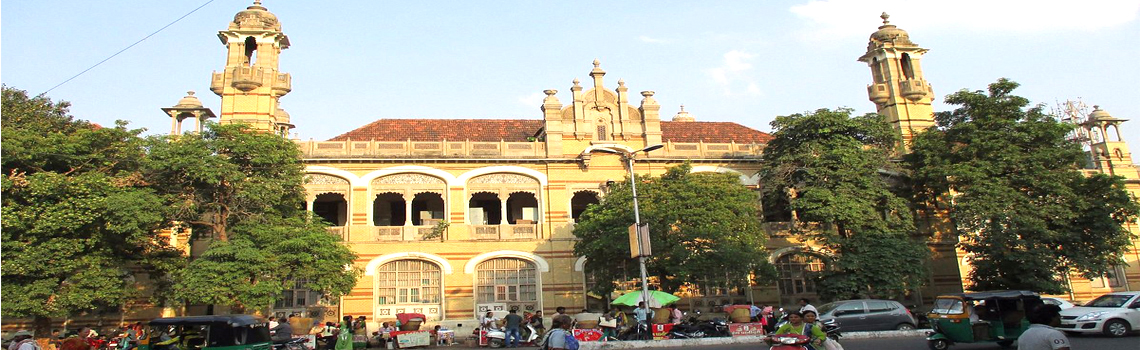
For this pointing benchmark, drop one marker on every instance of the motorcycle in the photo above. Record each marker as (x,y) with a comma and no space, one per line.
(297,343)
(639,331)
(831,327)
(788,341)
(716,327)
(497,337)
(688,329)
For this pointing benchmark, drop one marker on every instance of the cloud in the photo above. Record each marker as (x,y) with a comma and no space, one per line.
(652,40)
(532,100)
(845,18)
(733,76)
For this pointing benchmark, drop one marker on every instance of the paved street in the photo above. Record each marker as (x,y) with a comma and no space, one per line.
(917,343)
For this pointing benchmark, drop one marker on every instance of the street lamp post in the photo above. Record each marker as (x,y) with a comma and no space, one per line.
(629,156)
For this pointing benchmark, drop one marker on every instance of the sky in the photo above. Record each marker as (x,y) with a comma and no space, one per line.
(353,62)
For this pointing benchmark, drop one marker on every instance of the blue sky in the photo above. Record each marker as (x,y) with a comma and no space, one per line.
(353,62)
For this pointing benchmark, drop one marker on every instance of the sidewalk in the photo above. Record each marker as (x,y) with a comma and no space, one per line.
(672,343)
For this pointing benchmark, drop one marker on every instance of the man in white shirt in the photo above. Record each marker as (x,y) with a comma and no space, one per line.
(1041,335)
(805,305)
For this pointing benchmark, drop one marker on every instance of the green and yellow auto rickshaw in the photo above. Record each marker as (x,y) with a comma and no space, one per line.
(217,332)
(993,316)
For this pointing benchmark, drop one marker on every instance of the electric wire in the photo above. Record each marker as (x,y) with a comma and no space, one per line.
(126,48)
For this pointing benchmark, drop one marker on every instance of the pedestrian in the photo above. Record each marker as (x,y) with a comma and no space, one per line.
(272,322)
(360,332)
(22,340)
(283,332)
(513,321)
(609,325)
(642,314)
(344,338)
(560,337)
(1041,335)
(675,314)
(558,311)
(754,313)
(805,305)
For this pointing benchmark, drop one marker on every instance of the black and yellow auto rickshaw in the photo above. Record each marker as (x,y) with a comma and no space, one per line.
(994,316)
(219,332)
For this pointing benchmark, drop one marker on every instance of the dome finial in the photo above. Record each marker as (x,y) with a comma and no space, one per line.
(597,63)
(190,93)
(682,108)
(886,18)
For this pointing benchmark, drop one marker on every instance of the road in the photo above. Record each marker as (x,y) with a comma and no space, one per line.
(918,343)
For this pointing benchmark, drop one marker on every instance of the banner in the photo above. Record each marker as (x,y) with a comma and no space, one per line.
(588,334)
(661,330)
(739,329)
(412,338)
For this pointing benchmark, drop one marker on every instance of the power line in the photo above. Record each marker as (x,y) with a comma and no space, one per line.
(126,48)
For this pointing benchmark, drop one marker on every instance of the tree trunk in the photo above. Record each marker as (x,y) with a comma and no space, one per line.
(41,326)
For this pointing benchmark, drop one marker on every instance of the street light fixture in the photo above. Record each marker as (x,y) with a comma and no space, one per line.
(629,157)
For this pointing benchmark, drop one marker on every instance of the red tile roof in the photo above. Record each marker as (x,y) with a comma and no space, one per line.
(518,130)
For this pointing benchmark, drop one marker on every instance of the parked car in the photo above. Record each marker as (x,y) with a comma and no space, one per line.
(1114,314)
(868,315)
(1064,304)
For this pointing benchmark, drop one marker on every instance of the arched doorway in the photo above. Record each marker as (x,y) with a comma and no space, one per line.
(409,285)
(505,283)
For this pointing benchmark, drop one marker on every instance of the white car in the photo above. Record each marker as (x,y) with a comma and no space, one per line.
(1114,314)
(1064,304)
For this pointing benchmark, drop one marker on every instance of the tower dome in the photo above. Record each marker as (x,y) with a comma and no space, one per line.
(256,16)
(889,34)
(190,101)
(683,116)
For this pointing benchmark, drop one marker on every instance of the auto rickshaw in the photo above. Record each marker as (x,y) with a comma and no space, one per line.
(219,332)
(993,316)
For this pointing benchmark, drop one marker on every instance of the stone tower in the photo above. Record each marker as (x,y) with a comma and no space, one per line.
(251,84)
(899,90)
(1110,153)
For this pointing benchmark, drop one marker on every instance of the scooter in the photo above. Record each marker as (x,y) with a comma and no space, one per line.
(497,337)
(789,341)
(831,327)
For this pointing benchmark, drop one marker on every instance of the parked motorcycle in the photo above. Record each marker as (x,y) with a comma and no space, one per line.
(689,329)
(716,327)
(297,343)
(788,341)
(497,337)
(638,331)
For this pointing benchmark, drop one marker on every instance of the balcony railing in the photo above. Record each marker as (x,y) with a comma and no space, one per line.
(522,150)
(400,233)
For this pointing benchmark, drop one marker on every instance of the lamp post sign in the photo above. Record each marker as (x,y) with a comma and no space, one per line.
(639,241)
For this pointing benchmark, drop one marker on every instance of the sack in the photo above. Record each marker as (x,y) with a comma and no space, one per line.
(608,322)
(831,344)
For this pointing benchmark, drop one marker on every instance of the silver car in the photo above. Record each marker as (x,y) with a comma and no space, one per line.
(868,315)
(1113,314)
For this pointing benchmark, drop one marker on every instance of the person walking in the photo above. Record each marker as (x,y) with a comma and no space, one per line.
(1041,335)
(560,337)
(344,337)
(805,305)
(22,340)
(513,321)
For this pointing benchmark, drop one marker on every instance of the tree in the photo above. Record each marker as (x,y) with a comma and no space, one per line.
(1010,181)
(242,189)
(695,240)
(78,215)
(834,173)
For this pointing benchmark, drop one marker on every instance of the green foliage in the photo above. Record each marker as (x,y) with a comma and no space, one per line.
(694,239)
(437,231)
(833,171)
(1019,202)
(243,189)
(77,216)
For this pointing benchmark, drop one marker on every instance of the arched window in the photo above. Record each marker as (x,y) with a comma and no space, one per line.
(580,202)
(507,280)
(794,270)
(907,68)
(408,282)
(332,207)
(876,70)
(250,50)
